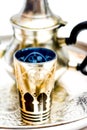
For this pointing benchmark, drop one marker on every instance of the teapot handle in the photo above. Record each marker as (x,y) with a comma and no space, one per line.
(72,40)
(74,33)
(82,66)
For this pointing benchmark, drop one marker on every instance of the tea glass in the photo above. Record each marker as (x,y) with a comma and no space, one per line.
(34,71)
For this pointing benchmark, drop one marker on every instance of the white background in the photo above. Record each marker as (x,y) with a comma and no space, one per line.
(72,11)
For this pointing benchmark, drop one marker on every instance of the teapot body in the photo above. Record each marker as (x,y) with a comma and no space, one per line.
(34,26)
(23,38)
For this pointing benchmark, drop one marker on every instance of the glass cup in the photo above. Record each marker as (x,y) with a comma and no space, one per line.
(34,72)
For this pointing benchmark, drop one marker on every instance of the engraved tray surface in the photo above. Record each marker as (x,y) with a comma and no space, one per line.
(69,98)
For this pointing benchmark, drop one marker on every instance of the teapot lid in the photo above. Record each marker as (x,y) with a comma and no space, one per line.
(36,15)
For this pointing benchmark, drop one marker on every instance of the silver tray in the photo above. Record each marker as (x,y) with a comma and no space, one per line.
(69,98)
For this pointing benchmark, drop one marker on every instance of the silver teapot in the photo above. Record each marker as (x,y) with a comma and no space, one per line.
(35,25)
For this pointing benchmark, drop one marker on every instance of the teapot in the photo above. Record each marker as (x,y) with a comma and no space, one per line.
(36,25)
